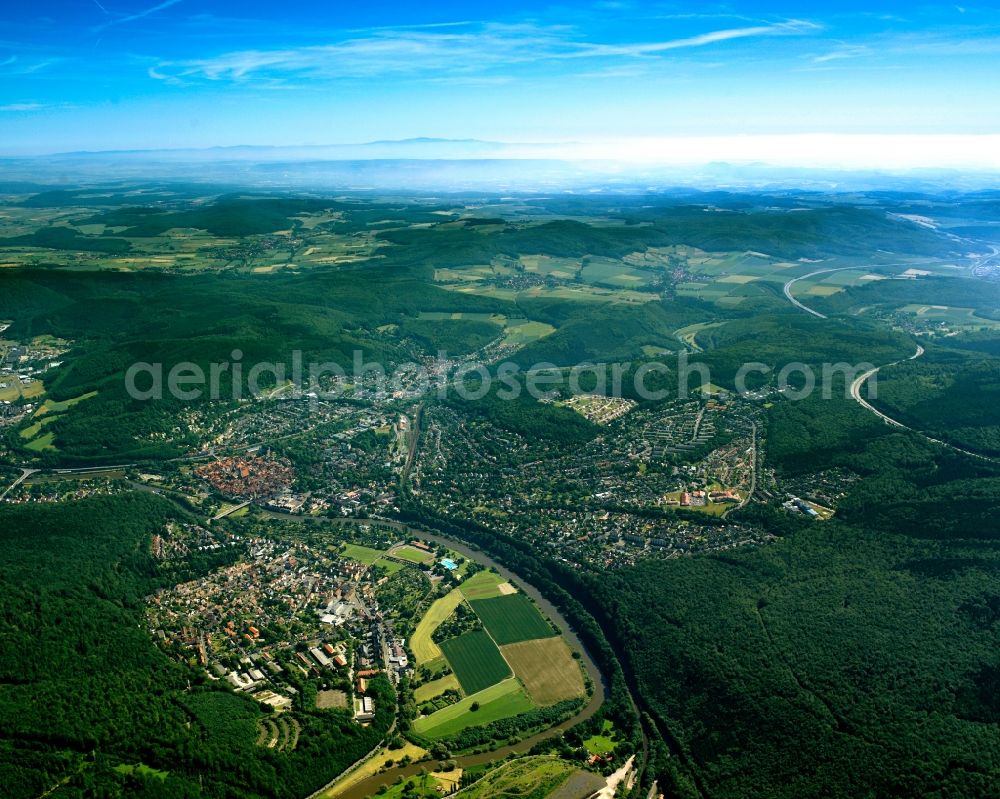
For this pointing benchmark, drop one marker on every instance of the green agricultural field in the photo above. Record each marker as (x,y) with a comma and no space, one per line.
(475,660)
(365,555)
(548,265)
(482,585)
(424,648)
(614,273)
(512,618)
(500,701)
(949,315)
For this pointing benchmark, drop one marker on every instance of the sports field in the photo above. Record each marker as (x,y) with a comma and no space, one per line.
(547,669)
(475,660)
(500,701)
(424,648)
(411,554)
(512,618)
(482,585)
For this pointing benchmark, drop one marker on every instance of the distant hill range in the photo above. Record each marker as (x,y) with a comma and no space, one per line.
(439,164)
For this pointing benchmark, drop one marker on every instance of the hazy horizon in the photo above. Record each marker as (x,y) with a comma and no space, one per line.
(886,87)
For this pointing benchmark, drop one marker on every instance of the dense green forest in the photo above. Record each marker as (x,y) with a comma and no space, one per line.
(852,658)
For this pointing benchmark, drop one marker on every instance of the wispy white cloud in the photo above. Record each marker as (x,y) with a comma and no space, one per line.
(33,64)
(20,107)
(841,53)
(133,17)
(452,51)
(791,27)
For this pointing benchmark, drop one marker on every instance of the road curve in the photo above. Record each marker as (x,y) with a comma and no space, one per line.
(788,286)
(856,395)
(864,378)
(794,280)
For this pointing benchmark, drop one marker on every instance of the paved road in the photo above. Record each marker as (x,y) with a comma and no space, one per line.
(813,311)
(25,474)
(794,280)
(860,381)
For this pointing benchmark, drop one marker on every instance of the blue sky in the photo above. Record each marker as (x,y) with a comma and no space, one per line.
(111,74)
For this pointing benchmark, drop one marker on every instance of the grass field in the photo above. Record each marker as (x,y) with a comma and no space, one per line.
(34,429)
(523,331)
(51,406)
(512,618)
(42,443)
(482,585)
(390,566)
(365,555)
(141,769)
(434,688)
(547,669)
(475,660)
(500,701)
(604,742)
(516,332)
(424,648)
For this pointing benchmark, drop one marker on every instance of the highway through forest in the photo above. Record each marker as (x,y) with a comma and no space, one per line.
(861,380)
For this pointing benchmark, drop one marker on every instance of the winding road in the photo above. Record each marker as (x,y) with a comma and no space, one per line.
(860,381)
(864,378)
(794,280)
(856,395)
